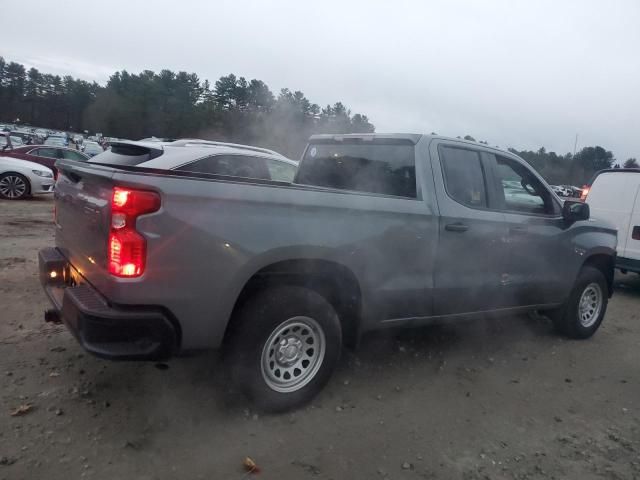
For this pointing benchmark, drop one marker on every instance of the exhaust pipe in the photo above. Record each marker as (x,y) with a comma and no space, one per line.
(52,315)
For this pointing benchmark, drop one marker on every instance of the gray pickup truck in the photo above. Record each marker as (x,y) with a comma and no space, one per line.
(376,231)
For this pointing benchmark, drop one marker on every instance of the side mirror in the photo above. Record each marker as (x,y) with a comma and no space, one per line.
(575,211)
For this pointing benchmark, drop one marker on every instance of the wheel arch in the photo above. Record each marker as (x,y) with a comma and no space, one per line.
(334,281)
(604,262)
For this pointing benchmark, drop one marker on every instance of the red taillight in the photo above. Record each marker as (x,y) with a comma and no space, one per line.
(134,202)
(127,249)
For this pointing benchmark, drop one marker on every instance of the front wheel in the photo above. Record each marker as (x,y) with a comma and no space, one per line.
(584,311)
(283,346)
(14,186)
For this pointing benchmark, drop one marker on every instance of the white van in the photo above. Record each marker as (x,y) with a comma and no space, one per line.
(614,196)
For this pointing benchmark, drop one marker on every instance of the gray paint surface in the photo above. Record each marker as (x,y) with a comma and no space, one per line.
(210,237)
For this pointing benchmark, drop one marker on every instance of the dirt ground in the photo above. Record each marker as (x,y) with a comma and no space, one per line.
(498,399)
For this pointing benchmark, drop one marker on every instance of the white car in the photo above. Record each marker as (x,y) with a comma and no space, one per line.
(20,179)
(208,157)
(92,148)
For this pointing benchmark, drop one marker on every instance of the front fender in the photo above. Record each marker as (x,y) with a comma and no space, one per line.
(597,247)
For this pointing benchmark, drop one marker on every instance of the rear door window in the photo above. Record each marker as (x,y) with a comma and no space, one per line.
(46,153)
(388,169)
(281,171)
(464,176)
(245,166)
(71,155)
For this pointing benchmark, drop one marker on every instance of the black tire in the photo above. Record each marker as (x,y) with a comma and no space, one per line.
(265,315)
(27,186)
(567,319)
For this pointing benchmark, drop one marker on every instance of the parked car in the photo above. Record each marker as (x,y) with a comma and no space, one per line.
(5,142)
(614,195)
(46,155)
(57,141)
(26,138)
(562,191)
(8,141)
(92,149)
(156,139)
(20,179)
(376,231)
(215,158)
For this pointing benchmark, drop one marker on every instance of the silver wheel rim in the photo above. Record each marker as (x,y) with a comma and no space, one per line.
(590,304)
(293,354)
(12,186)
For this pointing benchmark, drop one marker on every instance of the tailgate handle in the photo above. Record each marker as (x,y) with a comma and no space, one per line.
(456,227)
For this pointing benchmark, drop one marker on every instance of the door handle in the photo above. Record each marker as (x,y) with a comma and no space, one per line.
(517,229)
(456,227)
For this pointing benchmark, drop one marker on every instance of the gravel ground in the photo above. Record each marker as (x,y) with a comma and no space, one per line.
(496,399)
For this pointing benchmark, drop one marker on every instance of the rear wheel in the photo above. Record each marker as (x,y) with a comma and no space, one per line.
(583,313)
(14,186)
(283,347)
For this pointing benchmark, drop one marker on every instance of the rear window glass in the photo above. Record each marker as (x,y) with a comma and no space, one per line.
(463,176)
(388,169)
(230,165)
(126,155)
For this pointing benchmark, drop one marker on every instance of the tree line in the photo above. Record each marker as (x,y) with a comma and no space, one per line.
(172,105)
(569,169)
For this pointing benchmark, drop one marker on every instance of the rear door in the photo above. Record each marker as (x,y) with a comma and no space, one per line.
(45,155)
(470,262)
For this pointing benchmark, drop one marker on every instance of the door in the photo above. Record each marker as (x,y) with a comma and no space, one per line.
(539,247)
(44,155)
(470,261)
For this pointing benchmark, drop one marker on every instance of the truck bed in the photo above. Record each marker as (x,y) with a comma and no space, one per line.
(212,234)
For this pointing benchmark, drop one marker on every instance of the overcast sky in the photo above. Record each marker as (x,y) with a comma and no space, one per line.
(514,73)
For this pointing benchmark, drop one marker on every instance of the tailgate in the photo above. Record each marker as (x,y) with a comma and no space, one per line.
(83,214)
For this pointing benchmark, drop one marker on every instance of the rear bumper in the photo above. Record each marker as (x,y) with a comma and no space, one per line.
(108,331)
